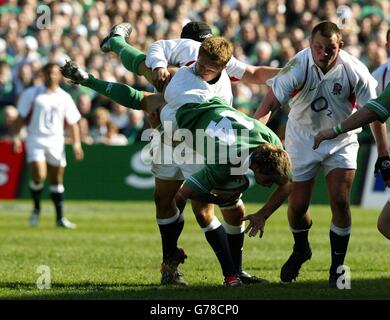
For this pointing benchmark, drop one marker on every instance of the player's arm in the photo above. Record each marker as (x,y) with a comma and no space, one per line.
(269,104)
(360,118)
(17,126)
(259,75)
(257,220)
(157,59)
(74,130)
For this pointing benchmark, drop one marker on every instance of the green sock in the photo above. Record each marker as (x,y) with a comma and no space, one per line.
(130,57)
(121,93)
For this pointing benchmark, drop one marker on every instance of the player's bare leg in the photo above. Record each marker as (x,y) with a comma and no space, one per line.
(235,233)
(217,238)
(339,187)
(56,174)
(300,222)
(38,170)
(170,221)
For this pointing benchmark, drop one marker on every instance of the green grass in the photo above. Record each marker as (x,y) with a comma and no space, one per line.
(115,253)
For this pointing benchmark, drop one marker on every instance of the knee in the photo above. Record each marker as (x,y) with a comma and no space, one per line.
(204,217)
(163,202)
(297,206)
(340,203)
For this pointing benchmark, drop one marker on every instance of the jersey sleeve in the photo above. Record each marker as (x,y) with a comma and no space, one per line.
(365,87)
(159,53)
(378,76)
(25,101)
(235,69)
(289,79)
(72,114)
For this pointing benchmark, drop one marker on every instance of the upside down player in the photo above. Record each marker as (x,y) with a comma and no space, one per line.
(179,93)
(169,177)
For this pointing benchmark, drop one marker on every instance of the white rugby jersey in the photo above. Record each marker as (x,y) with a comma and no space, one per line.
(382,75)
(46,113)
(320,101)
(183,52)
(186,87)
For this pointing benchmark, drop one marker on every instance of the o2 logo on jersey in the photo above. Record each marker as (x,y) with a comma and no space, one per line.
(321,104)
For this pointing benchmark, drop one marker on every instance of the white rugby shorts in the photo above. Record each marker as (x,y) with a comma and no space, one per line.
(340,152)
(52,154)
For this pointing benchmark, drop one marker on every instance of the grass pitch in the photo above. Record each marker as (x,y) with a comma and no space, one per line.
(115,253)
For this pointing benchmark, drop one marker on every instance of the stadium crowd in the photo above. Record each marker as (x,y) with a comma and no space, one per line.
(263,33)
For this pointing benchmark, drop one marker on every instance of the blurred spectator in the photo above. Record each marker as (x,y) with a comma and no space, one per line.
(119,116)
(136,125)
(113,137)
(24,79)
(7,88)
(9,115)
(101,117)
(4,56)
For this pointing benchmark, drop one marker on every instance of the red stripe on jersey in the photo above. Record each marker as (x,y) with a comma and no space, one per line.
(352,100)
(233,79)
(296,91)
(189,63)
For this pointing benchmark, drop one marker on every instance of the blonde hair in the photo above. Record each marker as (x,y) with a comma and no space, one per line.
(272,161)
(217,49)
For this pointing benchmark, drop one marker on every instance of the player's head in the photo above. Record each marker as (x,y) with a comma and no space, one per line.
(270,165)
(196,30)
(51,74)
(325,44)
(214,54)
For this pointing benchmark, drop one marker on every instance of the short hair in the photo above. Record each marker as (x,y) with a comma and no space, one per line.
(217,49)
(388,35)
(327,29)
(272,161)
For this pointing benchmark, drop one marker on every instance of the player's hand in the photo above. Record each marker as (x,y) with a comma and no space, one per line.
(78,152)
(160,77)
(382,165)
(17,145)
(256,224)
(323,135)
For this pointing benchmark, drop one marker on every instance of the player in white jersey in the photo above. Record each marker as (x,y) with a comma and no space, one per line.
(154,66)
(378,108)
(321,85)
(45,109)
(213,57)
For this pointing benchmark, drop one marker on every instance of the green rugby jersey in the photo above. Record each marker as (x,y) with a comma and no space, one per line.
(216,118)
(381,105)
